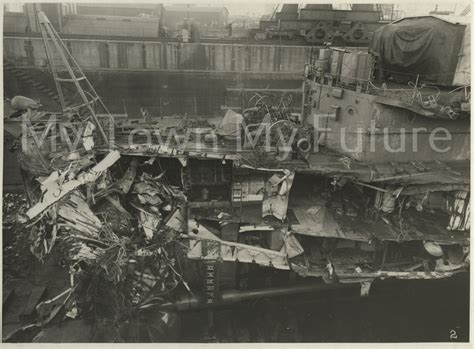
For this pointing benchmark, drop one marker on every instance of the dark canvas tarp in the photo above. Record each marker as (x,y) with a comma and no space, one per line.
(427,46)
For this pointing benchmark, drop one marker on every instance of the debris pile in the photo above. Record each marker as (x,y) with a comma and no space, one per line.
(15,240)
(115,227)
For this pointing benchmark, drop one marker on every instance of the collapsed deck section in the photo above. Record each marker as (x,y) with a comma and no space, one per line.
(321,215)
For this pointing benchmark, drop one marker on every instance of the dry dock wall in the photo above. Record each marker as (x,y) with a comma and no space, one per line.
(262,61)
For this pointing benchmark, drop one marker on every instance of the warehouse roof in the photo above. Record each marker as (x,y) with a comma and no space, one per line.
(120,5)
(184,8)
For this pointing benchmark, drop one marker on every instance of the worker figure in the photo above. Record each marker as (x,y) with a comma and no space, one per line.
(185,35)
(145,114)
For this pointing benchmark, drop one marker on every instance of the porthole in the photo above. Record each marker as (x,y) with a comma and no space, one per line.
(351,111)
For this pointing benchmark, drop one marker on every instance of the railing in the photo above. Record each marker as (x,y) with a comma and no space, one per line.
(428,98)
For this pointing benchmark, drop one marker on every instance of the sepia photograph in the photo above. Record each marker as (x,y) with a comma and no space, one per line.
(236,172)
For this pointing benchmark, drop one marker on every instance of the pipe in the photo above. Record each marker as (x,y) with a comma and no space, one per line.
(235,296)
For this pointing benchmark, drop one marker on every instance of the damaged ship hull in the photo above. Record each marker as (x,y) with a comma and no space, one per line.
(182,213)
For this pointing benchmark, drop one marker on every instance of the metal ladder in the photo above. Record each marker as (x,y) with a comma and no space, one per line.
(89,99)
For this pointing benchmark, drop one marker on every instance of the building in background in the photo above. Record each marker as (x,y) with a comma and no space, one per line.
(91,19)
(120,9)
(206,16)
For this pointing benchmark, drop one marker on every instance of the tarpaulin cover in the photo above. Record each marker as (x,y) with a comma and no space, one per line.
(463,70)
(427,46)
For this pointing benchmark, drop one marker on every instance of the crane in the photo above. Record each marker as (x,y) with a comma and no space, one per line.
(65,70)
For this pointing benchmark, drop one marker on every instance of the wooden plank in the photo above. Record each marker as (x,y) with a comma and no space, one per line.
(29,310)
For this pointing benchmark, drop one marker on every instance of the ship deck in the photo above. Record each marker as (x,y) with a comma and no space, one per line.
(323,162)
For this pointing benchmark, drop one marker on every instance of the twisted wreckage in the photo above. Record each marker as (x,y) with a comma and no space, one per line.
(177,213)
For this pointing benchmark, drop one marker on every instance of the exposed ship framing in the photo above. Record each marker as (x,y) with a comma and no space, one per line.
(324,193)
